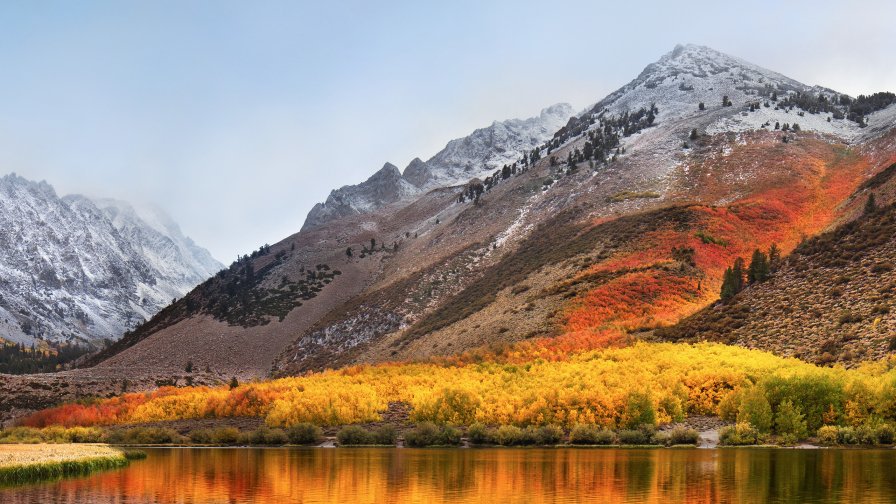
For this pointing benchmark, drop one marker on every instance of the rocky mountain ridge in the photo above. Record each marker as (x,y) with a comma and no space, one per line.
(79,270)
(474,156)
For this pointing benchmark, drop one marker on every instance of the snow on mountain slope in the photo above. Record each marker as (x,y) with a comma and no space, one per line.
(488,149)
(474,156)
(690,74)
(172,255)
(73,270)
(382,188)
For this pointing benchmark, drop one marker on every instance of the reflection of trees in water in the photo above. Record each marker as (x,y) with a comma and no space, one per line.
(274,476)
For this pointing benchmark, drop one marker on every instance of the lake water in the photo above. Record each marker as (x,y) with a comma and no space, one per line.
(374,475)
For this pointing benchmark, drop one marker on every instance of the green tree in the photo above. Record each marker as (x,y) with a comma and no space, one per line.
(870,204)
(790,422)
(755,410)
(639,411)
(694,134)
(234,383)
(759,267)
(348,251)
(733,280)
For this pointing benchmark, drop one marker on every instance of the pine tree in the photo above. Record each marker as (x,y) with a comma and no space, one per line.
(774,258)
(728,291)
(759,267)
(234,383)
(733,280)
(348,252)
(694,134)
(701,106)
(870,204)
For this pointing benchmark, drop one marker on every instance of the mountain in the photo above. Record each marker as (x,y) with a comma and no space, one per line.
(474,156)
(382,188)
(75,269)
(620,222)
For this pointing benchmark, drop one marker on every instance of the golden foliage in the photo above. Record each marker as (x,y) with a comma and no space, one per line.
(585,387)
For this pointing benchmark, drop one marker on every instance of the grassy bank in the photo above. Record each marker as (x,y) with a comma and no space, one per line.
(38,462)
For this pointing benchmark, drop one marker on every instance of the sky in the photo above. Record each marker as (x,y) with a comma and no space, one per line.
(237,117)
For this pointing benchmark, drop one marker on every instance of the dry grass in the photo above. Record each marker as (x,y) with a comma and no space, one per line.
(27,454)
(37,462)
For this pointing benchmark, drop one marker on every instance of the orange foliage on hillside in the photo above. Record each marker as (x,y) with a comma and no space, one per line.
(796,191)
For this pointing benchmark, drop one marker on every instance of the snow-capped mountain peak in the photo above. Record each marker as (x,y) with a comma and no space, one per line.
(76,269)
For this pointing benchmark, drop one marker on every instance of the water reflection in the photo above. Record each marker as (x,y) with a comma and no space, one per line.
(275,476)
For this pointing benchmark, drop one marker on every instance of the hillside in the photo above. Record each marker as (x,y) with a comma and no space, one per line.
(831,301)
(623,221)
(78,270)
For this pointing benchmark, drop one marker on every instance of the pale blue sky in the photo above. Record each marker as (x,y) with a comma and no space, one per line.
(236,117)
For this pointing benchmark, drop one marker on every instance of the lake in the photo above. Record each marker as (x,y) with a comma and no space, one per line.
(374,475)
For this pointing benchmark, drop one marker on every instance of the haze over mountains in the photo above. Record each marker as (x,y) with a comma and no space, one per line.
(620,221)
(79,270)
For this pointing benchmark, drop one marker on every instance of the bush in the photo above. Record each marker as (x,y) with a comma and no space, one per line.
(682,436)
(511,435)
(226,436)
(86,435)
(353,435)
(741,434)
(201,436)
(828,435)
(430,434)
(146,435)
(549,435)
(23,435)
(266,436)
(847,436)
(885,434)
(590,434)
(633,437)
(304,433)
(384,435)
(866,435)
(220,436)
(480,434)
(53,435)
